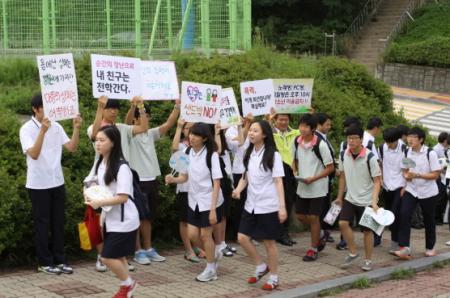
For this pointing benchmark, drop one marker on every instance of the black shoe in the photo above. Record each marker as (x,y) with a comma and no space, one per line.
(417,226)
(330,239)
(342,245)
(439,223)
(285,241)
(292,241)
(65,268)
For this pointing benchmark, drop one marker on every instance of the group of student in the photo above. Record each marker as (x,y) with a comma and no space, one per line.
(267,166)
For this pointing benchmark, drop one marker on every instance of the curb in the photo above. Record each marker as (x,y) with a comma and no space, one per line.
(422,100)
(377,275)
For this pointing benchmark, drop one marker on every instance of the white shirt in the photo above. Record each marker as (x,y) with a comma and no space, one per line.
(440,150)
(45,172)
(238,151)
(182,187)
(418,187)
(368,137)
(392,167)
(143,157)
(122,185)
(262,195)
(200,184)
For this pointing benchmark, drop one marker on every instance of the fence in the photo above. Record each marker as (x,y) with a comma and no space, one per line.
(150,28)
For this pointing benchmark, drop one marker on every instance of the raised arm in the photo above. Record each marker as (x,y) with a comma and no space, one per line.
(72,145)
(143,119)
(166,126)
(177,136)
(217,138)
(35,150)
(130,114)
(101,104)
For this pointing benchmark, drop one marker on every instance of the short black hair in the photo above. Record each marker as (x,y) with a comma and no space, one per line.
(443,136)
(374,122)
(309,120)
(354,130)
(281,114)
(137,114)
(391,134)
(321,118)
(36,102)
(417,131)
(403,129)
(112,104)
(351,120)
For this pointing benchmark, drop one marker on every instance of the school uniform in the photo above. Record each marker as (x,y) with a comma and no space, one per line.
(45,185)
(201,188)
(424,192)
(226,182)
(182,194)
(260,216)
(311,197)
(368,138)
(442,184)
(122,221)
(393,182)
(359,182)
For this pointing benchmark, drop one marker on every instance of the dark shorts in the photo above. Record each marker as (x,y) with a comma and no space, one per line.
(260,226)
(151,189)
(182,206)
(118,245)
(201,219)
(312,206)
(349,211)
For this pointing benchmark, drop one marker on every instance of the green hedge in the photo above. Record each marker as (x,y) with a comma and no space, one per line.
(341,89)
(426,41)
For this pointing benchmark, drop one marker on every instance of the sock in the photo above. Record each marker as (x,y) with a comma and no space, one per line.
(261,267)
(127,282)
(223,245)
(211,266)
(217,249)
(99,257)
(352,255)
(273,277)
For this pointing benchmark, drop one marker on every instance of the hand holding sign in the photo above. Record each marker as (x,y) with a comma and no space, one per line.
(200,102)
(257,97)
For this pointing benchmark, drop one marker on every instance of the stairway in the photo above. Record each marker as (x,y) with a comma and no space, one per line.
(368,47)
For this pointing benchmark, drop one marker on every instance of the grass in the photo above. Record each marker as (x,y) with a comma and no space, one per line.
(403,273)
(332,292)
(361,283)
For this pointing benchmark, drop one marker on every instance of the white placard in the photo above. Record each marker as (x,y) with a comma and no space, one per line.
(159,80)
(292,96)
(257,97)
(58,86)
(229,110)
(116,77)
(200,102)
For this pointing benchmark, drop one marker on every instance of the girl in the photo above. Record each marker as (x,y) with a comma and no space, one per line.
(264,209)
(122,221)
(205,200)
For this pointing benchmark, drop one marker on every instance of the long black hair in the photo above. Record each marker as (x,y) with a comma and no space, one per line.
(223,140)
(112,166)
(203,130)
(269,147)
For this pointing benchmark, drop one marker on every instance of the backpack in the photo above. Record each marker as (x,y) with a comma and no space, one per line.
(369,145)
(404,149)
(315,149)
(369,157)
(333,174)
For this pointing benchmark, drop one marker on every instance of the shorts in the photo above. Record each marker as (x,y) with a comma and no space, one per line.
(182,206)
(349,211)
(118,244)
(310,206)
(151,189)
(260,226)
(201,219)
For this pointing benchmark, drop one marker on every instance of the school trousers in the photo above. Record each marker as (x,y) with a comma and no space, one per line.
(290,195)
(48,216)
(392,200)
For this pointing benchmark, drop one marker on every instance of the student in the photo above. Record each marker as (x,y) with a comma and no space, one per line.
(374,126)
(441,149)
(392,152)
(143,159)
(323,128)
(313,163)
(42,141)
(204,196)
(420,188)
(122,221)
(403,131)
(361,175)
(265,208)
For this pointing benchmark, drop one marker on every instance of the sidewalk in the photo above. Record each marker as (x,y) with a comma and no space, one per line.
(175,277)
(438,98)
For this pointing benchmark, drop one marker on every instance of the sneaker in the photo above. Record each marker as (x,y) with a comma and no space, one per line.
(349,260)
(270,284)
(310,256)
(207,275)
(367,266)
(231,248)
(126,291)
(394,247)
(447,243)
(49,270)
(403,253)
(153,255)
(430,253)
(131,267)
(226,252)
(323,242)
(141,258)
(342,245)
(257,276)
(99,266)
(65,268)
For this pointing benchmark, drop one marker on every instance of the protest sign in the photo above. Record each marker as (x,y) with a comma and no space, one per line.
(200,102)
(115,77)
(229,110)
(257,97)
(58,86)
(292,96)
(159,80)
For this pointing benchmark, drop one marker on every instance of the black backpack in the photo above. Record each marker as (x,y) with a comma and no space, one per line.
(369,157)
(404,149)
(315,149)
(369,146)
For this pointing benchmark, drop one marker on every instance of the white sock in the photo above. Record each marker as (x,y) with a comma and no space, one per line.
(148,250)
(217,249)
(273,277)
(223,244)
(261,267)
(211,266)
(127,282)
(99,257)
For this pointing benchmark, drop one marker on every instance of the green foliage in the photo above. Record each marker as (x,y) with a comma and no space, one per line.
(341,88)
(403,273)
(426,41)
(361,283)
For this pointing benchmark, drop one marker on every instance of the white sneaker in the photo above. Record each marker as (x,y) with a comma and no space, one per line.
(153,255)
(367,265)
(141,258)
(131,267)
(99,266)
(447,243)
(207,275)
(394,247)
